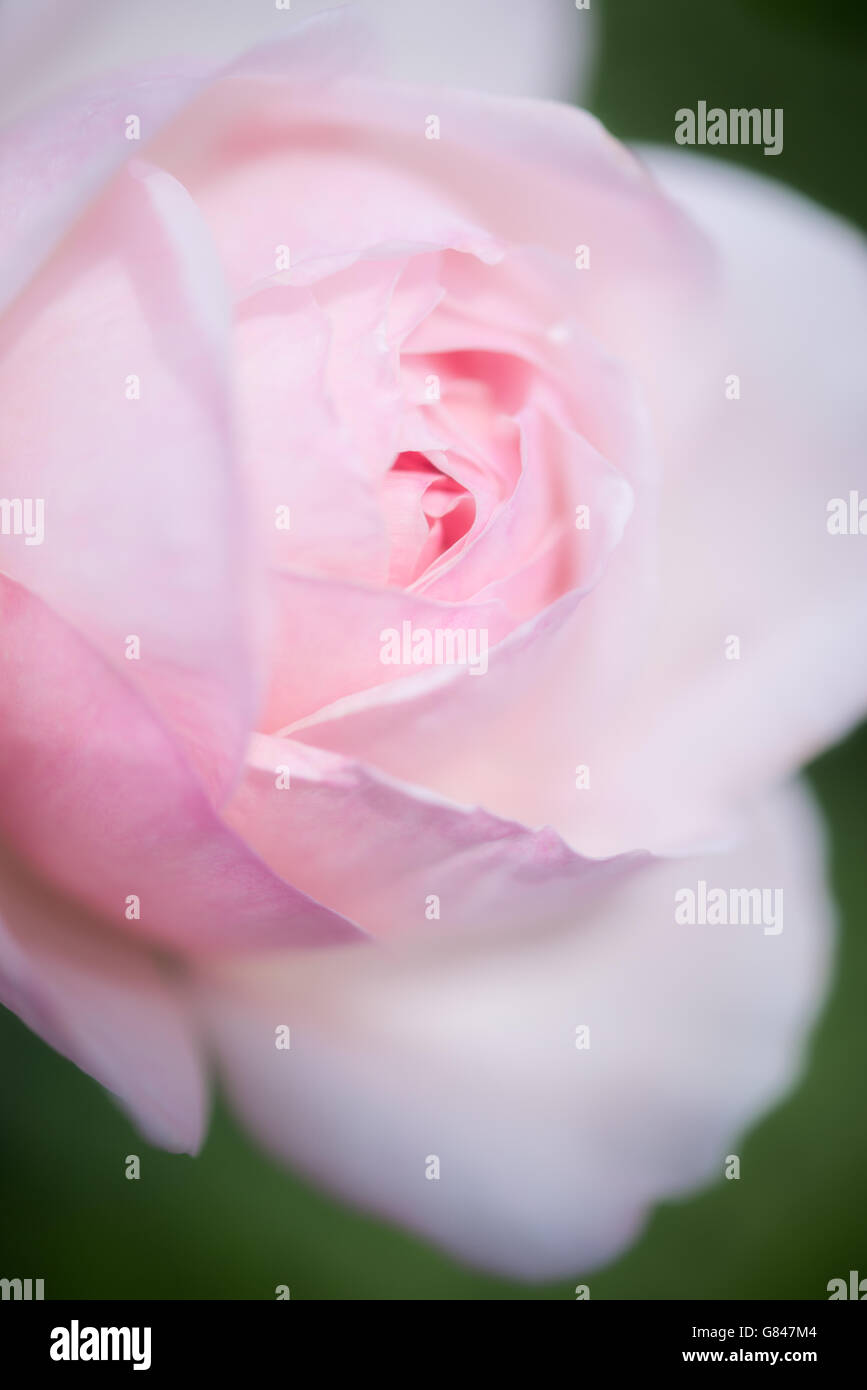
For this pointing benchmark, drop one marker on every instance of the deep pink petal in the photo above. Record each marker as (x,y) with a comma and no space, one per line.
(98,799)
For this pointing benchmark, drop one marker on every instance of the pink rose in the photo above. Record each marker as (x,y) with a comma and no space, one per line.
(416,596)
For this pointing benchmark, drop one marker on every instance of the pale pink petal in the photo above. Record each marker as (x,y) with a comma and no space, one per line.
(54,161)
(453,1047)
(329,640)
(314,504)
(247,146)
(144,527)
(73,80)
(399,844)
(320,409)
(47,46)
(543,49)
(107,1004)
(745,550)
(373,174)
(97,798)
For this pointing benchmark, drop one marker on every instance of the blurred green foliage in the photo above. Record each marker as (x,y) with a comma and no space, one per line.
(807,56)
(230,1224)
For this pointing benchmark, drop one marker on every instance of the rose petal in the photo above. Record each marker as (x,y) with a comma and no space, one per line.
(448,1046)
(375,170)
(296,453)
(52,163)
(97,798)
(399,844)
(330,640)
(47,46)
(549,684)
(745,550)
(144,530)
(105,1003)
(543,49)
(494,45)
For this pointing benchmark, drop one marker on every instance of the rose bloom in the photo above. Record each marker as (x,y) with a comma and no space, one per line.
(434,591)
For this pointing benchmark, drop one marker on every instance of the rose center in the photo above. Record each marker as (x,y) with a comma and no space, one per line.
(428,513)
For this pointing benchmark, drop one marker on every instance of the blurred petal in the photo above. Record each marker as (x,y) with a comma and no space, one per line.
(144,531)
(454,1047)
(97,798)
(745,549)
(106,1004)
(521,48)
(54,162)
(540,48)
(49,46)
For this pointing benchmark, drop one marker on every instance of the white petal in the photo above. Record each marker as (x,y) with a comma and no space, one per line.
(528,48)
(539,48)
(745,546)
(464,1050)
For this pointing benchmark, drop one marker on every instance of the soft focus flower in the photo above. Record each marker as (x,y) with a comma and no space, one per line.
(417,613)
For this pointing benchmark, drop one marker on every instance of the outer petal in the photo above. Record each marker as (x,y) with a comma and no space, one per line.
(52,163)
(550,1155)
(105,1003)
(97,798)
(745,549)
(541,49)
(144,527)
(49,46)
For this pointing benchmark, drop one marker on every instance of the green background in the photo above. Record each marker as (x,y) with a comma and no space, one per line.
(230,1224)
